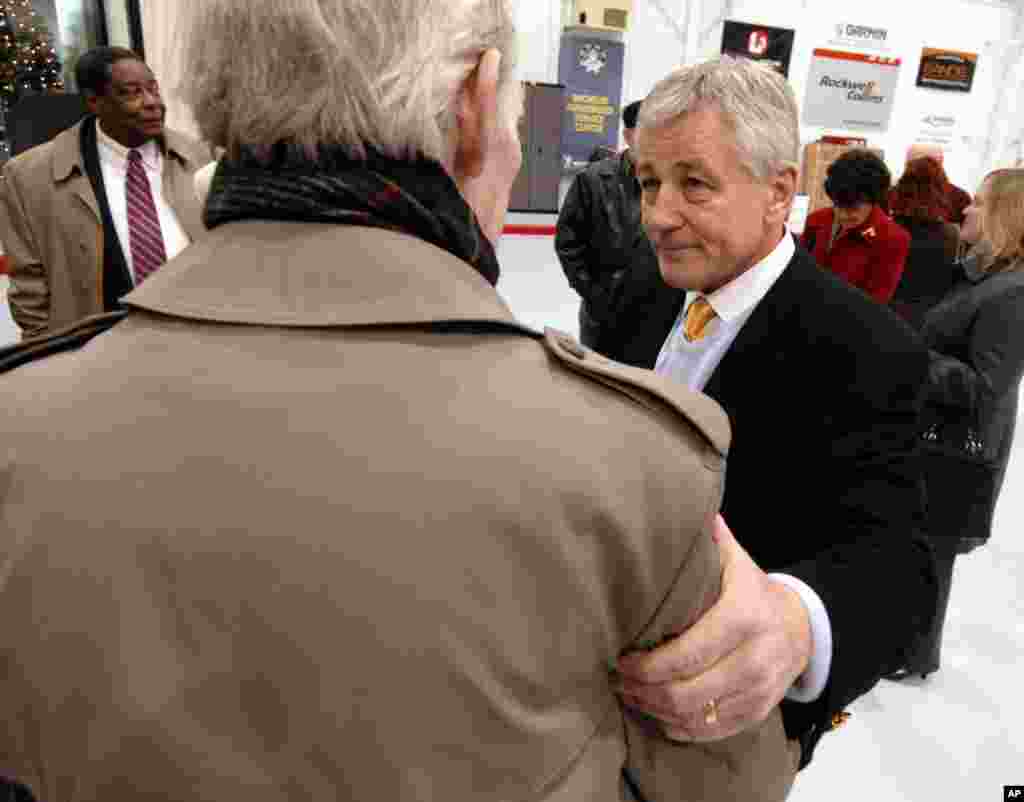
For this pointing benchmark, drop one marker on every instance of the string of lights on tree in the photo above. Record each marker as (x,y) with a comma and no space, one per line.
(28,60)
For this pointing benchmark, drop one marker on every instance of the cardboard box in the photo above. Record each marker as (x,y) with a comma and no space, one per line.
(817,158)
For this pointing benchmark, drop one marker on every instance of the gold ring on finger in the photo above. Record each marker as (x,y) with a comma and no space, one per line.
(711,712)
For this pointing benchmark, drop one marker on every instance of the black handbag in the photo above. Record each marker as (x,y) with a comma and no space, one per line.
(959,438)
(961,481)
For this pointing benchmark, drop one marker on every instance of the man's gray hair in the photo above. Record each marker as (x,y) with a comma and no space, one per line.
(756,102)
(353,73)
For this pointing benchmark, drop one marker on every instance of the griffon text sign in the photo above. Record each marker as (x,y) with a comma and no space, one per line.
(867,37)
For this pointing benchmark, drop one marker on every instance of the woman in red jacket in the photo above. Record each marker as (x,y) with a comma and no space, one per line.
(856,239)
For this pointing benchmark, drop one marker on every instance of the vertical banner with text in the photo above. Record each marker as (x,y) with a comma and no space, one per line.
(590,68)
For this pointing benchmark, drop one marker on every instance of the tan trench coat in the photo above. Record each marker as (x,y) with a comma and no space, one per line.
(319,520)
(52,231)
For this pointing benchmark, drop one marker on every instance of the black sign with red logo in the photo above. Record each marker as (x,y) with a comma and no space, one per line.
(947,69)
(759,42)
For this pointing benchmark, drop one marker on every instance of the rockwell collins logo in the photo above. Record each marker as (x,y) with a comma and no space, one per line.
(857,91)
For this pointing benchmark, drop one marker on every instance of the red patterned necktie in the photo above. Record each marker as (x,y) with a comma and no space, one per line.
(147,242)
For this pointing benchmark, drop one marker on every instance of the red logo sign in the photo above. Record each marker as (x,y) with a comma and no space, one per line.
(758,43)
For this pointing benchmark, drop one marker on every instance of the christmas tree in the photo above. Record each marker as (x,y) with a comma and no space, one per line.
(28,60)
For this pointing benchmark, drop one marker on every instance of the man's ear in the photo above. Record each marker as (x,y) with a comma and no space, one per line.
(476,115)
(783,190)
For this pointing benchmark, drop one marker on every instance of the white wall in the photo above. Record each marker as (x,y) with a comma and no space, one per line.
(163,54)
(990,119)
(539,23)
(653,44)
(912,24)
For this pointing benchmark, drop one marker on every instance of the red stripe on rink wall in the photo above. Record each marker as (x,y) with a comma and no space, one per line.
(524,230)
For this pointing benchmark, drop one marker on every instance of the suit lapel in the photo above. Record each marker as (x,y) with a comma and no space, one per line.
(181,194)
(115,278)
(756,348)
(82,189)
(69,166)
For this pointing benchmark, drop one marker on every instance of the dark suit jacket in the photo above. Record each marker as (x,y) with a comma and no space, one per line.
(930,269)
(822,387)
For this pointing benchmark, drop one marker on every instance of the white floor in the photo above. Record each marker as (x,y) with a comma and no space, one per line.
(959,737)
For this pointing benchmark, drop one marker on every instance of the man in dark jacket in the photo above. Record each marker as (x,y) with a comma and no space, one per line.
(822,388)
(600,241)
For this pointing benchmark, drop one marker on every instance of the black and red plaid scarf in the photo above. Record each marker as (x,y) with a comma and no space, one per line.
(416,197)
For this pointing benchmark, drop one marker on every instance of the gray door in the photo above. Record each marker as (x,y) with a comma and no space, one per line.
(540,131)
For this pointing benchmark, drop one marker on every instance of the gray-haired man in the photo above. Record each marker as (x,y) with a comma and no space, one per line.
(821,387)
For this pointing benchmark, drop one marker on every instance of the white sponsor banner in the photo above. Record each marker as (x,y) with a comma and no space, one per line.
(850,90)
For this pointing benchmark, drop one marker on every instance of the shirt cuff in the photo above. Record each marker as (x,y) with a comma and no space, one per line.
(810,685)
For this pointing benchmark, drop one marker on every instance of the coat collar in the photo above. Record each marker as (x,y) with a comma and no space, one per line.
(976,265)
(319,274)
(870,231)
(768,316)
(67,150)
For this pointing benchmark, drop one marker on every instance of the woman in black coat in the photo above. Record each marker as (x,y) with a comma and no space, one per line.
(919,204)
(976,337)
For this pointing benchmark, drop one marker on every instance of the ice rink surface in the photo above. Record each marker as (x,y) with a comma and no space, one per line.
(957,737)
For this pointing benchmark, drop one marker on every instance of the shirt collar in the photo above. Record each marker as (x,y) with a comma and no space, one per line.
(626,166)
(979,263)
(150,152)
(869,230)
(737,298)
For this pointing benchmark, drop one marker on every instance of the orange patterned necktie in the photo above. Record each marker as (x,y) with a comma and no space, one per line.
(698,315)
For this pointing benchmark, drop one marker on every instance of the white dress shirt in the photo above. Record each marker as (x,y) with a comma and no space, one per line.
(114,164)
(692,364)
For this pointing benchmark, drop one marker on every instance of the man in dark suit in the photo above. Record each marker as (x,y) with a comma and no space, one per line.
(821,386)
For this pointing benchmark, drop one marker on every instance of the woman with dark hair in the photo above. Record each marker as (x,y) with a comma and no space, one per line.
(976,339)
(919,204)
(856,239)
